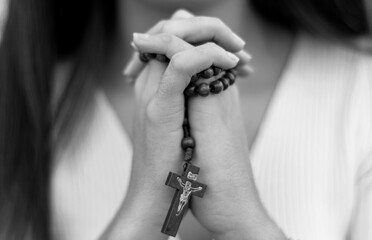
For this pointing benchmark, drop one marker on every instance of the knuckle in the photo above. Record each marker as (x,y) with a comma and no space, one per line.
(209,46)
(166,90)
(181,13)
(152,112)
(164,112)
(161,24)
(177,63)
(169,27)
(166,37)
(218,21)
(157,27)
(196,20)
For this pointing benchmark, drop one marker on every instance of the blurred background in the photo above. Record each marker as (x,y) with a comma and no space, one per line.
(2,15)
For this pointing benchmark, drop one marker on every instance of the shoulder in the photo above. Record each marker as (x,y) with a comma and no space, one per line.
(364,81)
(90,173)
(343,64)
(346,74)
(337,52)
(340,70)
(358,108)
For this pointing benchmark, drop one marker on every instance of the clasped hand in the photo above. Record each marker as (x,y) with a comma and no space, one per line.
(231,207)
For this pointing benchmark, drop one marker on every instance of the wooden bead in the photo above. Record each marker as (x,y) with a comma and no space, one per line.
(203,89)
(216,86)
(188,155)
(230,75)
(194,78)
(234,71)
(232,81)
(145,57)
(162,58)
(185,122)
(225,82)
(208,73)
(217,70)
(190,90)
(188,142)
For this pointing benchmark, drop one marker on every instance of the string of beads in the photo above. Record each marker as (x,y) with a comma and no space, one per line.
(212,80)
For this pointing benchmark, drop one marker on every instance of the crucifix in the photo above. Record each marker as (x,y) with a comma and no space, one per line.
(186,186)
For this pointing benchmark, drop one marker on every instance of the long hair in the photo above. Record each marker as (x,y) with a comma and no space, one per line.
(40,33)
(329,18)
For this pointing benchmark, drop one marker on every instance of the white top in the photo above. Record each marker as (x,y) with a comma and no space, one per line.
(312,159)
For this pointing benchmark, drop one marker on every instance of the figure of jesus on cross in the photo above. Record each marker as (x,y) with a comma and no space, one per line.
(187,190)
(186,186)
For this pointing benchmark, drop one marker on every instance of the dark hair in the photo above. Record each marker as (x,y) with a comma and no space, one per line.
(36,36)
(40,33)
(323,17)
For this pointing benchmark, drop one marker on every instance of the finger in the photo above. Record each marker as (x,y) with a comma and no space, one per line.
(204,29)
(182,13)
(179,14)
(135,66)
(244,57)
(169,95)
(187,63)
(162,43)
(148,81)
(170,45)
(245,71)
(194,30)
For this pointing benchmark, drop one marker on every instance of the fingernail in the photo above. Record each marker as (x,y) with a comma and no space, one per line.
(251,69)
(133,68)
(134,46)
(129,68)
(245,55)
(126,71)
(129,80)
(140,36)
(240,40)
(246,70)
(233,57)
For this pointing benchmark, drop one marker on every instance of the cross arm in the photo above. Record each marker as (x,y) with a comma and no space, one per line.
(172,180)
(199,193)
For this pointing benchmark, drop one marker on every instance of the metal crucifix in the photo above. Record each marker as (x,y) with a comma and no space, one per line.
(186,186)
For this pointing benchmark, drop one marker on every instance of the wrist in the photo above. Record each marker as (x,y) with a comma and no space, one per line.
(138,218)
(262,230)
(253,224)
(134,225)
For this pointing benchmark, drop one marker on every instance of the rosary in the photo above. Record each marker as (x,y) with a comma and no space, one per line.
(213,80)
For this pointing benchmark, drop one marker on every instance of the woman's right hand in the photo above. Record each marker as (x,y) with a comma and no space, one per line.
(158,130)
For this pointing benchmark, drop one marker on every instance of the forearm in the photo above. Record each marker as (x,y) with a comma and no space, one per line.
(134,231)
(140,216)
(252,222)
(136,223)
(263,230)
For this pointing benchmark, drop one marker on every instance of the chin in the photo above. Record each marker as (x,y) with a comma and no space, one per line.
(171,5)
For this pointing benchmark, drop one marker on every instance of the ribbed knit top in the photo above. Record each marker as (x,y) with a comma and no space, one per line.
(312,158)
